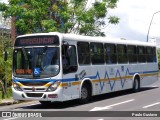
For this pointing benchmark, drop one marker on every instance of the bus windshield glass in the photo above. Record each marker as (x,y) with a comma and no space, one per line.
(35,62)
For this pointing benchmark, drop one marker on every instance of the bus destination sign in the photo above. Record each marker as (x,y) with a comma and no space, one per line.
(37,41)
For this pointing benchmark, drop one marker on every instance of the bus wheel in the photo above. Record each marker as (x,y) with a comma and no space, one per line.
(85,93)
(136,85)
(45,102)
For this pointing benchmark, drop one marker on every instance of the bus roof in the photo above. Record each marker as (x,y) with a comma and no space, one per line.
(74,37)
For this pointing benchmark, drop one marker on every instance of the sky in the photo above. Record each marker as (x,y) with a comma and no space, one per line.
(135,18)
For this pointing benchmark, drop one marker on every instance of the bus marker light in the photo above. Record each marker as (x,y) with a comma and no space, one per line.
(52,95)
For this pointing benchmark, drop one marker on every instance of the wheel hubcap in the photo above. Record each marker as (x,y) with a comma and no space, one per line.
(84,93)
(136,84)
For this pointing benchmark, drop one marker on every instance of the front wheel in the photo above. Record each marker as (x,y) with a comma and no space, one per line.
(136,85)
(85,94)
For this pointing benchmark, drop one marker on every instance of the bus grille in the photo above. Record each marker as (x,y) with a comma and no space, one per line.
(35,89)
(33,83)
(34,94)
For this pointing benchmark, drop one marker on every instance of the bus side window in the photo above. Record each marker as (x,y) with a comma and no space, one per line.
(132,54)
(149,54)
(154,55)
(69,59)
(97,53)
(122,53)
(83,53)
(141,54)
(110,53)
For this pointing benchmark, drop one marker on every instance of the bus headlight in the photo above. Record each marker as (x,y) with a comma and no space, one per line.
(53,86)
(16,87)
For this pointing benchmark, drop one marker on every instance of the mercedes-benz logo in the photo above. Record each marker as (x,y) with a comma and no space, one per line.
(33,88)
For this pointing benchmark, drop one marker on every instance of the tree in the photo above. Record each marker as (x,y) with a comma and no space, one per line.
(6,66)
(67,16)
(158,51)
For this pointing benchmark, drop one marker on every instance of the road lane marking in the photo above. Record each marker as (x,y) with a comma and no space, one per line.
(151,105)
(16,109)
(11,118)
(34,104)
(110,106)
(154,86)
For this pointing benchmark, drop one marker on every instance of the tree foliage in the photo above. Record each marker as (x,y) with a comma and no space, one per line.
(158,51)
(75,16)
(6,66)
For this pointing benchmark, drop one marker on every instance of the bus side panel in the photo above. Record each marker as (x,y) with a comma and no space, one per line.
(111,78)
(149,75)
(110,75)
(73,81)
(99,81)
(119,77)
(70,91)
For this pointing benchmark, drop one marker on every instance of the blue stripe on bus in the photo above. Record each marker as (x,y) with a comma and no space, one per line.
(145,72)
(69,79)
(151,71)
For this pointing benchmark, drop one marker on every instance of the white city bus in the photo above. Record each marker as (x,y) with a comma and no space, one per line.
(58,67)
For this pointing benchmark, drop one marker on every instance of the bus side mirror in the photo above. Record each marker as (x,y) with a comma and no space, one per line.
(5,55)
(65,47)
(64,43)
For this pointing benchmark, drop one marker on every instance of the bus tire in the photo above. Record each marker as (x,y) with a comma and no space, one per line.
(45,102)
(136,84)
(85,93)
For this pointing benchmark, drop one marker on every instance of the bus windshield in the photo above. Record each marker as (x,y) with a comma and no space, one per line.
(35,62)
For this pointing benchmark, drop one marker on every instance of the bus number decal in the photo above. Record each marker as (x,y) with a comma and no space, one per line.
(22,71)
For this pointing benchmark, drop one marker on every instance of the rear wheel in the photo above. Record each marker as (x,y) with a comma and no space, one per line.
(85,93)
(136,85)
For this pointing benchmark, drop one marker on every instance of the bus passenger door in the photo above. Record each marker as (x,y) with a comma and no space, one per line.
(69,65)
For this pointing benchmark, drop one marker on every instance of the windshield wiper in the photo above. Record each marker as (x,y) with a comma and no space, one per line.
(44,50)
(41,55)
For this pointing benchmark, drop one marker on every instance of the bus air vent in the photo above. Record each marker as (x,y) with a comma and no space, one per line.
(34,94)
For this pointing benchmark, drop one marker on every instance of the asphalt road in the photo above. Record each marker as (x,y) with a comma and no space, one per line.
(124,105)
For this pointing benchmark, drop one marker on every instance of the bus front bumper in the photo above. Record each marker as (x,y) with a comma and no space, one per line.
(41,96)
